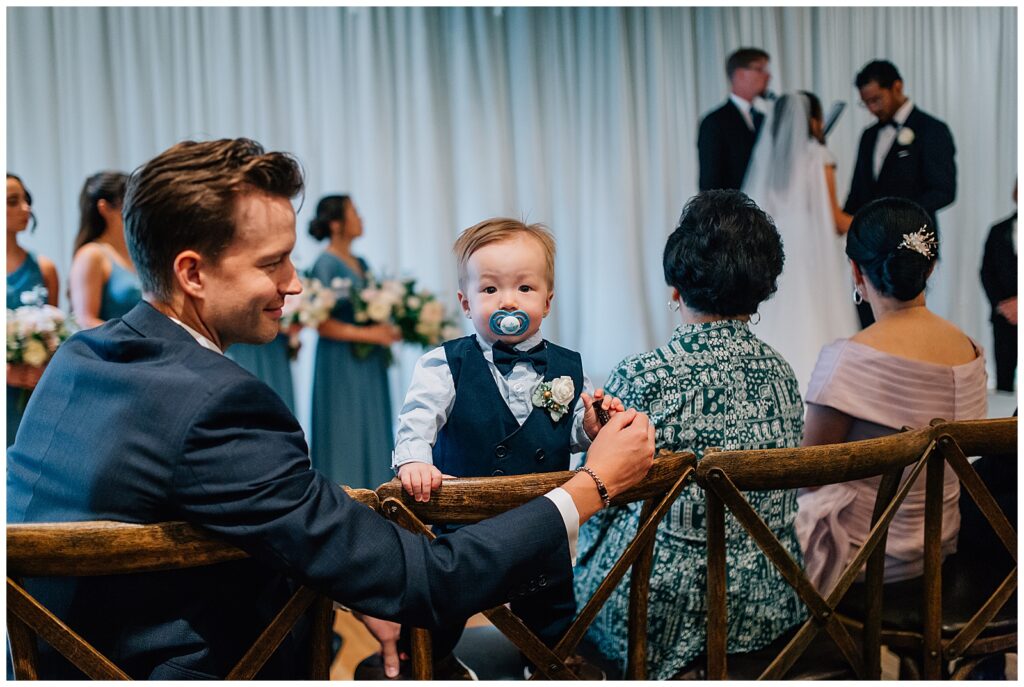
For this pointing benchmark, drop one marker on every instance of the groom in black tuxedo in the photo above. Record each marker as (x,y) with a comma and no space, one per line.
(727,135)
(907,153)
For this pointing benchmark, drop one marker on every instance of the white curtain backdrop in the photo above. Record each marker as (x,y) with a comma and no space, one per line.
(582,118)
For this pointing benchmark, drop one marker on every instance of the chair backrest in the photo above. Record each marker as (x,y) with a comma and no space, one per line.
(955,441)
(469,500)
(724,475)
(78,549)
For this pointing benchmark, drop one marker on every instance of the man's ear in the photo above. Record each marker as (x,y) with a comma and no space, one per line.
(188,271)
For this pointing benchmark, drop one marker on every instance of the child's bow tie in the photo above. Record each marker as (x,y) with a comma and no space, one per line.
(505,357)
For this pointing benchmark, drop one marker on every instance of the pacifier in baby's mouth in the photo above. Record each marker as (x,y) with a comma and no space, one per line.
(509,323)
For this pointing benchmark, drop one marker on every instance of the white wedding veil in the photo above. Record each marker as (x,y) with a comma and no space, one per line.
(787,161)
(786,178)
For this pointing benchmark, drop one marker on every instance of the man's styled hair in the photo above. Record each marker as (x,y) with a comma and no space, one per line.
(184,198)
(743,58)
(499,229)
(882,72)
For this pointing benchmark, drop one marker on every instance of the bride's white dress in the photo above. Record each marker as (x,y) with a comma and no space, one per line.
(786,178)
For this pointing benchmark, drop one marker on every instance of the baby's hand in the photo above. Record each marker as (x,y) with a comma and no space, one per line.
(419,479)
(610,404)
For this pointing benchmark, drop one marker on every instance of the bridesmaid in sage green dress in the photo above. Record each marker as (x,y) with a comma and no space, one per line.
(25,272)
(352,435)
(103,282)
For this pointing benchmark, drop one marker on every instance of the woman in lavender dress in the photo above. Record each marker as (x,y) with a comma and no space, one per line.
(909,367)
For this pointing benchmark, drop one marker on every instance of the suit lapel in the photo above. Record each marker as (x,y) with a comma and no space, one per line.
(896,147)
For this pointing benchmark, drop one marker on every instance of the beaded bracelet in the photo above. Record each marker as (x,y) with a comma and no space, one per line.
(601,490)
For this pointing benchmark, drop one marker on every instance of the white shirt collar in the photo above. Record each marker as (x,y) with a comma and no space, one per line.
(524,345)
(901,114)
(744,105)
(200,339)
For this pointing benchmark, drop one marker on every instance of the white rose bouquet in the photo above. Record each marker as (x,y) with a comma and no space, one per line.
(34,332)
(311,308)
(419,316)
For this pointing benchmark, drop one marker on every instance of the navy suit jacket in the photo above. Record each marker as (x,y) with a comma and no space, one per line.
(724,146)
(134,421)
(924,171)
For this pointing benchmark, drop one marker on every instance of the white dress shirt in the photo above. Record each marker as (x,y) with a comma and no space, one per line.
(887,135)
(431,397)
(744,106)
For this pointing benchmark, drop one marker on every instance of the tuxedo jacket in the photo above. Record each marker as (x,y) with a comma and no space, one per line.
(923,171)
(134,421)
(724,145)
(999,265)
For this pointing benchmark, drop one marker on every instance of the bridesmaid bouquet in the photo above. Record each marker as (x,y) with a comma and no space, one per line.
(35,330)
(419,316)
(311,308)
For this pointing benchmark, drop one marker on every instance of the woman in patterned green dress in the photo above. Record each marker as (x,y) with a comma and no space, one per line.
(713,384)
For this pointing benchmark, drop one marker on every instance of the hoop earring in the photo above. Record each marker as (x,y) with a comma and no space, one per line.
(857,297)
(755,318)
(673,305)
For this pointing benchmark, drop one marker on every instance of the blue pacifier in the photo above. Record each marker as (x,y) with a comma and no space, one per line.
(506,323)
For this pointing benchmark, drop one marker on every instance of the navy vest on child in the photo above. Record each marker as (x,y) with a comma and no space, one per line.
(482,437)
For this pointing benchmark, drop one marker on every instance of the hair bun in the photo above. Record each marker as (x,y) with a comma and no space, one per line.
(904,274)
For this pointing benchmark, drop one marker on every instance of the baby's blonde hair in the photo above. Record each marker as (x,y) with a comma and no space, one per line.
(499,229)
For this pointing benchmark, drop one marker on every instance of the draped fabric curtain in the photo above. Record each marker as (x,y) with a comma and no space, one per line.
(435,118)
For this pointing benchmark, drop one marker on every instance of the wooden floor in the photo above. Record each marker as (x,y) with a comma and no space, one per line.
(357,643)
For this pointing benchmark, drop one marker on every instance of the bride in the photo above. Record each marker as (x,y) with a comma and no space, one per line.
(792,178)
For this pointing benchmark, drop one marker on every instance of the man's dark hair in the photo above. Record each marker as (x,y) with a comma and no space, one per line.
(882,72)
(874,243)
(742,58)
(184,198)
(725,256)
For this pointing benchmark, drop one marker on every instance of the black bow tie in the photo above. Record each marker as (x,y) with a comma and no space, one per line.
(893,123)
(506,357)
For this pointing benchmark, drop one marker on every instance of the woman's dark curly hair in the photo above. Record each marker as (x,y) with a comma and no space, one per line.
(725,255)
(873,243)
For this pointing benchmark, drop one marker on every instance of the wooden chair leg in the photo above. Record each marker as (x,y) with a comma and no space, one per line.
(717,641)
(422,654)
(639,592)
(932,615)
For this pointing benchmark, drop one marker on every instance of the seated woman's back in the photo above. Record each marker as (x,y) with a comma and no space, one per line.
(919,334)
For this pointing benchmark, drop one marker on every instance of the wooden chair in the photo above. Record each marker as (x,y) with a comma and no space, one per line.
(469,500)
(78,549)
(963,609)
(724,475)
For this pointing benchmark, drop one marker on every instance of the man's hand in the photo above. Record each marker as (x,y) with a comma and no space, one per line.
(591,425)
(621,456)
(419,479)
(1008,309)
(385,632)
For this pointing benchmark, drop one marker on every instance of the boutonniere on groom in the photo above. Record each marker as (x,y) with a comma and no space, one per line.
(906,136)
(555,396)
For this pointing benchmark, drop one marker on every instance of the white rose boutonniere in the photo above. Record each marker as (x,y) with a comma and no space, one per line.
(906,136)
(555,396)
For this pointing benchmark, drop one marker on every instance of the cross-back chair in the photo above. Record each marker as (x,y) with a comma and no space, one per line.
(725,475)
(467,500)
(958,611)
(79,549)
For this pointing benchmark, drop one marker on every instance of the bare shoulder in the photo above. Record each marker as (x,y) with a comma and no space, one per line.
(925,337)
(89,257)
(47,267)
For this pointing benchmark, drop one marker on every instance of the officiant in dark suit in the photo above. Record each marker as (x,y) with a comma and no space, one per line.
(907,153)
(727,135)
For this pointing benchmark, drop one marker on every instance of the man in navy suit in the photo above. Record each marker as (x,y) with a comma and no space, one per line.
(907,153)
(727,135)
(143,419)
